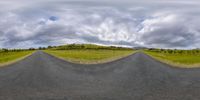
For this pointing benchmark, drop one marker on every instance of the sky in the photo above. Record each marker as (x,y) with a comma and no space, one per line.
(131,23)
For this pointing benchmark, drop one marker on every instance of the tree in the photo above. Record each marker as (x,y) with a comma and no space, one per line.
(31,49)
(5,50)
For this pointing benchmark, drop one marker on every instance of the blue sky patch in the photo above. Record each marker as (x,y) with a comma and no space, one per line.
(53,18)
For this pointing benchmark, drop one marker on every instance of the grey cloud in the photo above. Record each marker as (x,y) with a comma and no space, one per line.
(127,23)
(177,33)
(169,37)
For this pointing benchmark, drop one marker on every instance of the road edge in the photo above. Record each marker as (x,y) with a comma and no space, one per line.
(93,63)
(16,60)
(173,64)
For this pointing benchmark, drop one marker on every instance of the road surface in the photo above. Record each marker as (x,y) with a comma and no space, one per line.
(137,77)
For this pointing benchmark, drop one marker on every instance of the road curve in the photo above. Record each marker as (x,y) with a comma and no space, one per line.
(137,77)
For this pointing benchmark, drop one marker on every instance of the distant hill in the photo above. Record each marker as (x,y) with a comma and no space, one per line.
(86,46)
(139,48)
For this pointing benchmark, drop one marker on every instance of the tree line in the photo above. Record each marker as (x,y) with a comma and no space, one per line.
(70,47)
(14,50)
(175,51)
(86,46)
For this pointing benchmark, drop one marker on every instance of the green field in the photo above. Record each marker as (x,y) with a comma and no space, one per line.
(90,56)
(183,59)
(12,56)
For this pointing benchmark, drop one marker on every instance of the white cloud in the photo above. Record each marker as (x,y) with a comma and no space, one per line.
(157,21)
(131,24)
(169,31)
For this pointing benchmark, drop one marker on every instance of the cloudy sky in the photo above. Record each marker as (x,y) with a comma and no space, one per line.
(150,23)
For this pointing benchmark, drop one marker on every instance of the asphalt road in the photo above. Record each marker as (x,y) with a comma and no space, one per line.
(137,77)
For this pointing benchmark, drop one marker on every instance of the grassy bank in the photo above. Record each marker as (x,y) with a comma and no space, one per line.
(182,59)
(12,56)
(90,56)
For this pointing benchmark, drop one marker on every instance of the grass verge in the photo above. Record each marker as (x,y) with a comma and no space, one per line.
(177,60)
(90,56)
(10,57)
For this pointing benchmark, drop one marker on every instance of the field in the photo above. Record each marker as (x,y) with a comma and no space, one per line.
(90,56)
(7,57)
(178,58)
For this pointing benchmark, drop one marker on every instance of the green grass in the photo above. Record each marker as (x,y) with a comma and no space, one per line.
(90,56)
(176,59)
(12,56)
